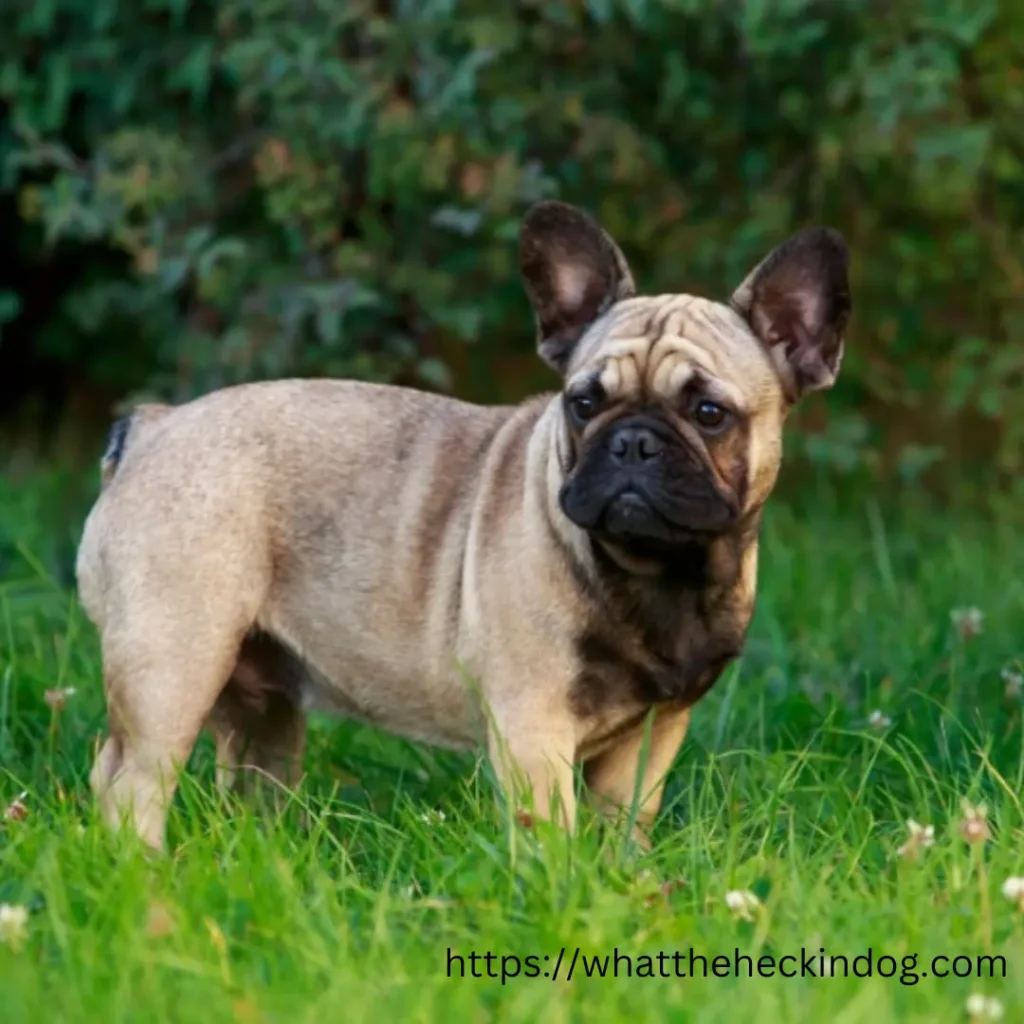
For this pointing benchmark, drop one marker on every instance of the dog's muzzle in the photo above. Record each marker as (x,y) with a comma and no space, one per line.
(640,480)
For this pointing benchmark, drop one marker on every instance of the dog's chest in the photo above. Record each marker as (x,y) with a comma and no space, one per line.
(621,677)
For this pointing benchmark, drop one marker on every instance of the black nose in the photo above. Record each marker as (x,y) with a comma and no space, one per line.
(630,446)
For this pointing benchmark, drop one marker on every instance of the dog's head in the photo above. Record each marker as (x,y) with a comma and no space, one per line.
(673,405)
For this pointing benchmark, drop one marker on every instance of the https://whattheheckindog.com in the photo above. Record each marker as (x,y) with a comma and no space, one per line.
(573,962)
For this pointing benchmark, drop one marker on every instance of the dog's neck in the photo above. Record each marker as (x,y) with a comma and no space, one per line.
(680,628)
(690,565)
(705,575)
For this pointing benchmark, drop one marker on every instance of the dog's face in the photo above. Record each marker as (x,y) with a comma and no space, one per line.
(674,405)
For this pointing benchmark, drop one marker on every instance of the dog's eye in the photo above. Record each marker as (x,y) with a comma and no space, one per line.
(710,415)
(583,407)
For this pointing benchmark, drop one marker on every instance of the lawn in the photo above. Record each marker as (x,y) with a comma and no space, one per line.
(860,703)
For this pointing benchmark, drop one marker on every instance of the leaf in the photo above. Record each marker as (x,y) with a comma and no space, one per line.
(58,91)
(220,251)
(194,73)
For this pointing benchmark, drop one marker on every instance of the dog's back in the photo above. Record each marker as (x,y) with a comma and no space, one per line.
(288,458)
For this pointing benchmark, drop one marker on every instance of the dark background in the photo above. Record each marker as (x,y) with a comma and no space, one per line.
(195,193)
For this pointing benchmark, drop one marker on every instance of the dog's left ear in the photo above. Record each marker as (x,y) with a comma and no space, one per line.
(573,273)
(797,301)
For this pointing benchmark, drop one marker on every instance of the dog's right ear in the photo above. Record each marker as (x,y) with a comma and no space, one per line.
(797,300)
(573,273)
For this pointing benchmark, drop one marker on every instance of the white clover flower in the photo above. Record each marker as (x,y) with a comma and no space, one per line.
(1014,683)
(974,824)
(967,622)
(742,903)
(1013,890)
(13,925)
(57,699)
(981,1008)
(878,720)
(919,838)
(17,810)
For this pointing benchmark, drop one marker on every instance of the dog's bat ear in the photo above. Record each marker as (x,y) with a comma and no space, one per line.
(797,300)
(573,273)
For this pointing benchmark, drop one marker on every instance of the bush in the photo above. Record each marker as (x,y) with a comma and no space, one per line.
(314,187)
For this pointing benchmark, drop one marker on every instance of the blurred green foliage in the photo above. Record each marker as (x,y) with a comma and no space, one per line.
(334,187)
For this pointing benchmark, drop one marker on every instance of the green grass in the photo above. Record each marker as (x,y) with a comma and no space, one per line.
(345,907)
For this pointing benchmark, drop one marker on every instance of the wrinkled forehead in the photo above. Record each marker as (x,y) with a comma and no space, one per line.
(656,346)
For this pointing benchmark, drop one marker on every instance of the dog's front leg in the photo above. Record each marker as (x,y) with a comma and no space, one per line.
(634,771)
(533,757)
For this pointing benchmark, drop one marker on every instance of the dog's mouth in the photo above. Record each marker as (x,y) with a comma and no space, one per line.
(630,515)
(641,540)
(647,533)
(634,518)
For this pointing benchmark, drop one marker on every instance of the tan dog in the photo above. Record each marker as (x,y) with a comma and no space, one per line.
(540,577)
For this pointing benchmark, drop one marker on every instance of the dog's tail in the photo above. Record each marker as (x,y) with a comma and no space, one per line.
(123,433)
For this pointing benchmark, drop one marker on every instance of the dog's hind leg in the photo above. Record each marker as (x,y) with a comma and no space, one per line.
(258,722)
(162,680)
(174,566)
(258,753)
